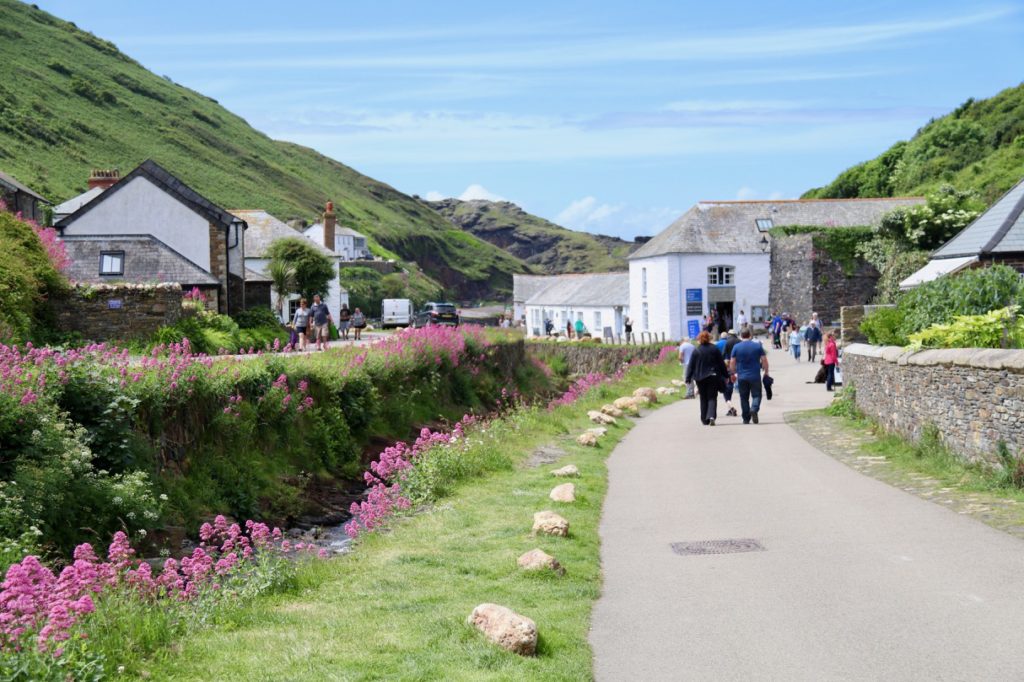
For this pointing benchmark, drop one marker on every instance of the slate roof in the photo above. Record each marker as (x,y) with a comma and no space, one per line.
(591,289)
(525,286)
(730,227)
(8,180)
(265,229)
(74,203)
(160,177)
(1000,229)
(146,260)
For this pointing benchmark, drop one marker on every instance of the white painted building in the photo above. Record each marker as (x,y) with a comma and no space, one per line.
(523,287)
(264,230)
(601,300)
(717,256)
(348,243)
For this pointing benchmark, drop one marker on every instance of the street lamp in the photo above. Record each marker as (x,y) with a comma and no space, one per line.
(764,244)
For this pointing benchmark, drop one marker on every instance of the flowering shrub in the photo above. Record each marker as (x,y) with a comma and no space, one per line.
(28,276)
(43,613)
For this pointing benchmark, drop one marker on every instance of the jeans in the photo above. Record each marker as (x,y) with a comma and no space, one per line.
(748,388)
(830,377)
(708,389)
(795,347)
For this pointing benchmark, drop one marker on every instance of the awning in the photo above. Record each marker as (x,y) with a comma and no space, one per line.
(935,269)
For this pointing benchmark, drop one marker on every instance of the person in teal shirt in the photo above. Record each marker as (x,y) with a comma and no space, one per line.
(580,328)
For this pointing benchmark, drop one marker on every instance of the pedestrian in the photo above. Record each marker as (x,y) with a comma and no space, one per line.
(568,329)
(344,321)
(549,327)
(723,339)
(830,359)
(686,349)
(741,320)
(707,369)
(727,391)
(794,342)
(813,337)
(358,323)
(580,328)
(785,332)
(748,359)
(776,330)
(628,324)
(301,322)
(322,320)
(730,344)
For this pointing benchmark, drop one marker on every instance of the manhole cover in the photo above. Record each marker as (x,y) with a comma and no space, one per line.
(717,547)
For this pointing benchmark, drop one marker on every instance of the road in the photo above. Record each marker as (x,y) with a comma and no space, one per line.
(857,581)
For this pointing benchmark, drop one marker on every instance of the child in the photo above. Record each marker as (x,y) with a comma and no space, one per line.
(794,342)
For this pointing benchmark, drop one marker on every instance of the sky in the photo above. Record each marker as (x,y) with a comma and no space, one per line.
(611,118)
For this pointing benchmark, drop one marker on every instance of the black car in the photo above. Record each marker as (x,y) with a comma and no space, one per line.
(437,313)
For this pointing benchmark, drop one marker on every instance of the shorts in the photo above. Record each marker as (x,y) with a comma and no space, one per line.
(322,331)
(343,326)
(300,330)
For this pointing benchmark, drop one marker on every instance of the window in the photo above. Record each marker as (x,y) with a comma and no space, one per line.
(597,321)
(646,319)
(764,224)
(643,281)
(112,262)
(720,276)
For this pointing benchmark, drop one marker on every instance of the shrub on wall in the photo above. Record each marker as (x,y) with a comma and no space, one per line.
(882,327)
(972,292)
(1003,328)
(27,278)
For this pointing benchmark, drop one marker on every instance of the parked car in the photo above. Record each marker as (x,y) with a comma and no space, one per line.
(396,312)
(437,313)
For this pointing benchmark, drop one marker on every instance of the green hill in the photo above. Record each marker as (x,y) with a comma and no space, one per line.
(70,101)
(978,146)
(551,248)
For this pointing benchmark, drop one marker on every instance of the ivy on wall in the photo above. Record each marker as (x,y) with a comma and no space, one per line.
(840,243)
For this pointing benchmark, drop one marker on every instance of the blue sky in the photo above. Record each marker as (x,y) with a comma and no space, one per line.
(605,117)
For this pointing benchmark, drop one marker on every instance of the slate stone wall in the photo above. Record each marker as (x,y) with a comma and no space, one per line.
(975,397)
(835,288)
(586,357)
(116,312)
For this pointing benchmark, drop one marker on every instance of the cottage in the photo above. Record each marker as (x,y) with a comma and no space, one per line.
(264,230)
(343,241)
(21,199)
(600,300)
(996,236)
(718,256)
(151,202)
(523,287)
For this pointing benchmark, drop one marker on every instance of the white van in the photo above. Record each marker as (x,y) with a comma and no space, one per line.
(395,312)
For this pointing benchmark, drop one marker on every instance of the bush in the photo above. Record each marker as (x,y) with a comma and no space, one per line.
(1003,328)
(27,279)
(972,292)
(882,327)
(254,318)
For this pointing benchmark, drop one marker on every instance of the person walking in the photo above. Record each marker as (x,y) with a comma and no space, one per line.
(301,322)
(830,359)
(776,330)
(322,320)
(748,360)
(568,329)
(741,320)
(729,387)
(358,323)
(794,341)
(813,338)
(580,328)
(628,325)
(685,353)
(707,369)
(344,321)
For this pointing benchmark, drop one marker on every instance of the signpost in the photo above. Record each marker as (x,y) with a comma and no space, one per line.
(114,304)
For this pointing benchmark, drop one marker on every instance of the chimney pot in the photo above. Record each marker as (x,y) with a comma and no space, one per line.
(103,178)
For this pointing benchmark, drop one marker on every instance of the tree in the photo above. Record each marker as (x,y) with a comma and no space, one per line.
(928,226)
(282,276)
(313,269)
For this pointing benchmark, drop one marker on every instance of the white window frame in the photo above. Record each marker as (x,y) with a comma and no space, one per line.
(115,257)
(646,319)
(643,282)
(764,224)
(597,321)
(721,275)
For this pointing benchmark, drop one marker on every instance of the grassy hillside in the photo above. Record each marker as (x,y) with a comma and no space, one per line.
(978,146)
(70,101)
(551,248)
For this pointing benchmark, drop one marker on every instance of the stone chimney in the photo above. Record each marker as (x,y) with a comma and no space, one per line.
(103,179)
(330,221)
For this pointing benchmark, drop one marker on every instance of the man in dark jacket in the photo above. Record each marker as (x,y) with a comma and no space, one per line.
(707,368)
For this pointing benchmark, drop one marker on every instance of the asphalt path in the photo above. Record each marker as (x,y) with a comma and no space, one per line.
(857,580)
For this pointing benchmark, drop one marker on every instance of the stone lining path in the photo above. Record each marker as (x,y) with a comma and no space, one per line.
(856,580)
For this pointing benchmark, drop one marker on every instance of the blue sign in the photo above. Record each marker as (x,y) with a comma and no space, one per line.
(693,328)
(114,304)
(694,295)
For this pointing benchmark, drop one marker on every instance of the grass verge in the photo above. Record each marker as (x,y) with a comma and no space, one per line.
(396,607)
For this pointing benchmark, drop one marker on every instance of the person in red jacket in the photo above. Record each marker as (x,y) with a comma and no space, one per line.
(829,361)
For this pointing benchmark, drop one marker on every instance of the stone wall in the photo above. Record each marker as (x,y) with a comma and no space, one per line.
(852,316)
(835,287)
(586,357)
(975,397)
(117,312)
(792,276)
(384,267)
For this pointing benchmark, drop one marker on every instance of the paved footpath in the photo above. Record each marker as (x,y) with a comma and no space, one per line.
(858,580)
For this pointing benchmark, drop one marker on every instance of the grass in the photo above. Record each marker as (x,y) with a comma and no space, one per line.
(70,102)
(396,608)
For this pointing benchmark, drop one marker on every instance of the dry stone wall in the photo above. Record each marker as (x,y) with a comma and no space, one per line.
(584,357)
(116,312)
(975,397)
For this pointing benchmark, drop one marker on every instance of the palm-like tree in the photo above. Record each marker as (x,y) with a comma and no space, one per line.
(282,278)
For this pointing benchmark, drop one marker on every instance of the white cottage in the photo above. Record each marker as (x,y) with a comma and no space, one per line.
(717,256)
(264,230)
(344,241)
(601,300)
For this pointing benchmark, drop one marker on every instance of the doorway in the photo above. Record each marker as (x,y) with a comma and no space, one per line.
(724,311)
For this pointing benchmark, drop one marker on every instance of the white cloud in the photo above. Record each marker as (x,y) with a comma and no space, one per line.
(477,192)
(586,212)
(616,220)
(434,195)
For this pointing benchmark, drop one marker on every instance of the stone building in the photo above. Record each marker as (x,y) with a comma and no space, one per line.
(21,199)
(150,219)
(719,255)
(996,236)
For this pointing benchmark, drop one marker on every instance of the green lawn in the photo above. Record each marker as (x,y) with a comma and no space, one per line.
(396,608)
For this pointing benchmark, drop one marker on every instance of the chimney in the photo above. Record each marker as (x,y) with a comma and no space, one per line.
(330,220)
(103,179)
